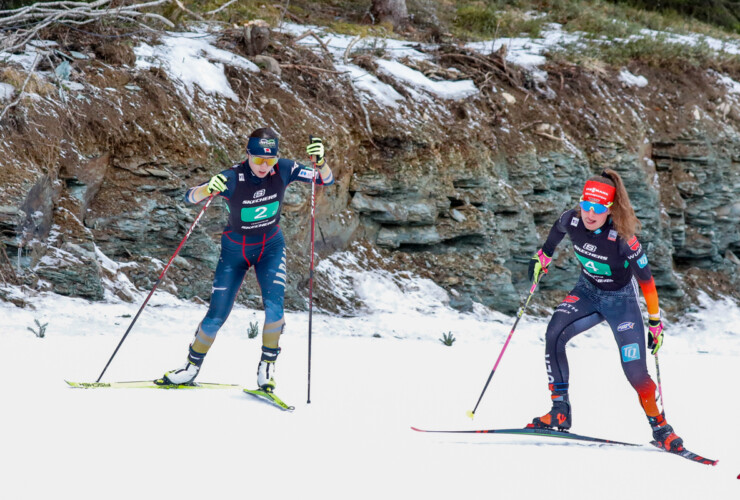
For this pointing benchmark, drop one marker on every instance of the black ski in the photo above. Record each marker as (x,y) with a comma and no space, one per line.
(683,452)
(533,431)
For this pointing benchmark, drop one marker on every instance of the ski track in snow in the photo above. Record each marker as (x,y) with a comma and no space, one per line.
(354,439)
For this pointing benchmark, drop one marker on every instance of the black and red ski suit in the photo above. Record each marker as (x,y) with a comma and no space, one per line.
(606,291)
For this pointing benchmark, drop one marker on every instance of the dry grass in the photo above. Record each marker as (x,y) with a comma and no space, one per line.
(35,85)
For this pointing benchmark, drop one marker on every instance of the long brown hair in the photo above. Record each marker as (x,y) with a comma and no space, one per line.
(623,215)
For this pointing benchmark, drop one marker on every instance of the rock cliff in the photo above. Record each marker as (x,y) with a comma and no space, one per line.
(459,189)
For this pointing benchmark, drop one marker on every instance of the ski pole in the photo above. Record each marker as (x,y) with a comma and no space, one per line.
(159,280)
(519,314)
(660,386)
(310,272)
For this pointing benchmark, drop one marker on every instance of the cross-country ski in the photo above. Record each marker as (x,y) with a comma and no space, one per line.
(546,433)
(149,384)
(683,452)
(270,398)
(570,436)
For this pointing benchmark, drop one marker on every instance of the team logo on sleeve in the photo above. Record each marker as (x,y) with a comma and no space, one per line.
(634,244)
(306,174)
(571,299)
(642,261)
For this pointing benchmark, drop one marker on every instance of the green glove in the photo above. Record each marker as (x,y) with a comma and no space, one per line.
(217,183)
(316,151)
(538,266)
(655,335)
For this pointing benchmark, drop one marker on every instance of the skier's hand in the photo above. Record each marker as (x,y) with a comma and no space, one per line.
(655,335)
(316,151)
(538,266)
(217,183)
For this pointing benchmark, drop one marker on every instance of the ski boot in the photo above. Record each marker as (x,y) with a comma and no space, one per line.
(182,376)
(663,434)
(185,375)
(266,369)
(558,417)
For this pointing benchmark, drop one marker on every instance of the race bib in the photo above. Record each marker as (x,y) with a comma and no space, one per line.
(254,214)
(595,267)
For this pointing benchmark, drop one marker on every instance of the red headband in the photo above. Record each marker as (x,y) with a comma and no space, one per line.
(598,192)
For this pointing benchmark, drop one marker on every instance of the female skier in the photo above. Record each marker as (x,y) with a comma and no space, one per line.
(254,192)
(603,230)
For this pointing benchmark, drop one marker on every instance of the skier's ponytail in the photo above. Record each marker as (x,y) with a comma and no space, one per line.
(623,215)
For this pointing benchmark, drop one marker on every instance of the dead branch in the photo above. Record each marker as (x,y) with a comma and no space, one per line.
(528,125)
(284,12)
(38,16)
(493,62)
(216,11)
(321,43)
(312,68)
(349,47)
(548,136)
(188,11)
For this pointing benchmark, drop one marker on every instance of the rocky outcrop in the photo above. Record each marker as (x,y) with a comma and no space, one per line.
(459,191)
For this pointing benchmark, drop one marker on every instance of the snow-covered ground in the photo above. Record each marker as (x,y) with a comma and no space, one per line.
(354,439)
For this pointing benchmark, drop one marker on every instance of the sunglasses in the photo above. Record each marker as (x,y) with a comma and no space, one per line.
(596,208)
(259,161)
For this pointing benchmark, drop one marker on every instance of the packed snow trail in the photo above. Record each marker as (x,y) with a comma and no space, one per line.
(354,439)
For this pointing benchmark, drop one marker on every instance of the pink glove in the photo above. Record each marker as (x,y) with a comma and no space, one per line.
(655,335)
(538,266)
